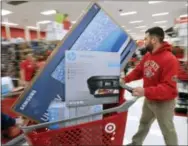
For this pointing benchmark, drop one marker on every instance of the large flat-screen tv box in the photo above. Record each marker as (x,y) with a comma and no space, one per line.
(95,31)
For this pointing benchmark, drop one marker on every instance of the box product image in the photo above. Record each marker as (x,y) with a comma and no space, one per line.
(102,86)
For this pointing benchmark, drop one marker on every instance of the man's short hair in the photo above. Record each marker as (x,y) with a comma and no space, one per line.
(156,31)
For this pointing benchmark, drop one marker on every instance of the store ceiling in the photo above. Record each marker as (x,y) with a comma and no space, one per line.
(27,14)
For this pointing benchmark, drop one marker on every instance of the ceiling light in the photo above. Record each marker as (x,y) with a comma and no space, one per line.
(186,5)
(128,13)
(160,14)
(73,22)
(154,2)
(49,12)
(32,27)
(44,22)
(9,23)
(138,21)
(128,30)
(143,26)
(184,15)
(5,12)
(158,22)
(123,26)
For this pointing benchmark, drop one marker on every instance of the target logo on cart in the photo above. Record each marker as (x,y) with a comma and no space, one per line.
(110,128)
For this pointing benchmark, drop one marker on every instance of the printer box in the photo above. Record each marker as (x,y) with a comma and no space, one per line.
(92,78)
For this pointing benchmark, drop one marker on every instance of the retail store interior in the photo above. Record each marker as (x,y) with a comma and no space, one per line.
(32,32)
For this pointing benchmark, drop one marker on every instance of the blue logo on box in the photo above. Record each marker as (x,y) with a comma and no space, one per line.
(5,89)
(71,56)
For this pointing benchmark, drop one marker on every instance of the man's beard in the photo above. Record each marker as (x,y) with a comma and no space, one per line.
(149,48)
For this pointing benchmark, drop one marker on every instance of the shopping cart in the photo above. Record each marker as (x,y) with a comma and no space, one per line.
(107,131)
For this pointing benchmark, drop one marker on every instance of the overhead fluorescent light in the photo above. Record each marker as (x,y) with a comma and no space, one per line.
(44,22)
(32,27)
(154,2)
(49,12)
(160,14)
(5,12)
(143,26)
(158,22)
(9,23)
(123,26)
(128,13)
(73,22)
(138,21)
(184,15)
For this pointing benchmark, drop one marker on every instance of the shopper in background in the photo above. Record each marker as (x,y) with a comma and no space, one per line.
(28,69)
(159,69)
(49,52)
(41,61)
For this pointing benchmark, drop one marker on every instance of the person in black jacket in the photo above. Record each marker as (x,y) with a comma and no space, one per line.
(7,121)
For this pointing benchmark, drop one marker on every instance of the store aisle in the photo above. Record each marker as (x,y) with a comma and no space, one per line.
(155,136)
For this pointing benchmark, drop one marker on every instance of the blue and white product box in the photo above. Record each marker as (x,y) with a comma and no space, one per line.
(87,110)
(6,85)
(96,109)
(80,66)
(56,112)
(59,111)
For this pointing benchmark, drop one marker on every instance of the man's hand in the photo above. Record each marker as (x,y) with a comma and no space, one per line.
(139,92)
(121,80)
(19,121)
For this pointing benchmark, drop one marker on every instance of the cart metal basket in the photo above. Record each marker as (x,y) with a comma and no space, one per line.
(107,131)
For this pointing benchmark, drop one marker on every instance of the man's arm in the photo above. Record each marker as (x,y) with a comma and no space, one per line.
(167,89)
(137,73)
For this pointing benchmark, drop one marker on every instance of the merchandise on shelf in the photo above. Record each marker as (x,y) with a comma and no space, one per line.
(178,37)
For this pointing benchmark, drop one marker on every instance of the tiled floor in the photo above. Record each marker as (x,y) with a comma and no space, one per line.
(155,136)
